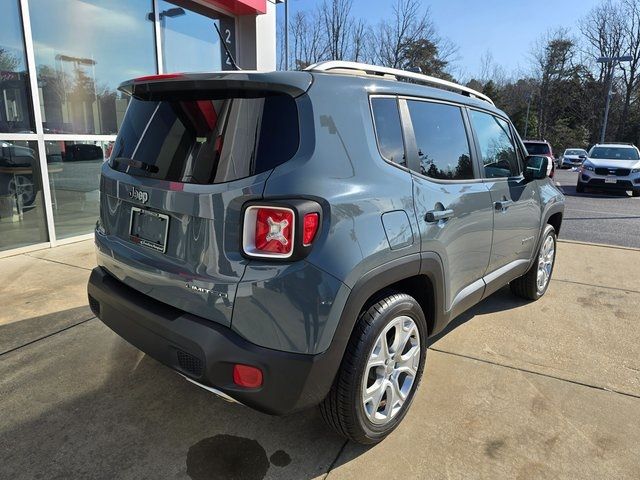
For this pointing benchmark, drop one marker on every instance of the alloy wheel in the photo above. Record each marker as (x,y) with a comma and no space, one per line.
(391,370)
(545,262)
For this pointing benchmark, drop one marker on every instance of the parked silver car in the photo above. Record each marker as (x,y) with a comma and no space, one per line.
(611,166)
(572,157)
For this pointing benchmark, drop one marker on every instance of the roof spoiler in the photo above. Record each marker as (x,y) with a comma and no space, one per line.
(193,86)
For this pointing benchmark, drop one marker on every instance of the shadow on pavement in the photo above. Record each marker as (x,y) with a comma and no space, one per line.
(499,301)
(16,334)
(85,404)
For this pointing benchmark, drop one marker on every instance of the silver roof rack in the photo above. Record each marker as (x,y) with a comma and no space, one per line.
(339,66)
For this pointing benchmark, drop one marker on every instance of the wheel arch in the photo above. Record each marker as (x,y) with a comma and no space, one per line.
(420,275)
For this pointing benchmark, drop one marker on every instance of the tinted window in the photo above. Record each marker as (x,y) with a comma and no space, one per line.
(537,148)
(575,152)
(388,129)
(614,153)
(206,141)
(443,147)
(496,147)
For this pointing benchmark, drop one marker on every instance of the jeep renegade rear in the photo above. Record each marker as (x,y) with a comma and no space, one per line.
(290,239)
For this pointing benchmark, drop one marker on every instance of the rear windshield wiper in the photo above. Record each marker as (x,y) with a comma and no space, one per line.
(130,162)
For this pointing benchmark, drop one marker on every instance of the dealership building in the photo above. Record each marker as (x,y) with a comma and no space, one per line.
(61,62)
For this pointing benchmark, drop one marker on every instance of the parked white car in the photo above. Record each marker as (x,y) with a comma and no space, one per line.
(611,166)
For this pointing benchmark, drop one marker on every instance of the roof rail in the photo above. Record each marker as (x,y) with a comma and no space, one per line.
(368,69)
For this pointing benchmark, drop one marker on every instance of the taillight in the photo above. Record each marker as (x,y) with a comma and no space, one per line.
(310,228)
(282,230)
(268,231)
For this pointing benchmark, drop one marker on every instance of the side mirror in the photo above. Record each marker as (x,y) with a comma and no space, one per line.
(536,167)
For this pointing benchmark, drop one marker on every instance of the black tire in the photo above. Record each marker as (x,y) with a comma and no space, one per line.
(526,286)
(579,187)
(343,408)
(635,193)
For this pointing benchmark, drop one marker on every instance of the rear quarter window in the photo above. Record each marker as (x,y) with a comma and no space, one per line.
(206,141)
(386,119)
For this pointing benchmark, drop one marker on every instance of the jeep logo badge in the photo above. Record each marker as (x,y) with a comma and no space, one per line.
(139,195)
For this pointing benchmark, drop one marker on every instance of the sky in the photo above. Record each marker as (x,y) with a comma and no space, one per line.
(506,28)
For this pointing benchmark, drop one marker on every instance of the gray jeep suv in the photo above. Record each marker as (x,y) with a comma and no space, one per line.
(290,239)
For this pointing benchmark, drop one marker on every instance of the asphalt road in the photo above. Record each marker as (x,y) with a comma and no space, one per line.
(598,217)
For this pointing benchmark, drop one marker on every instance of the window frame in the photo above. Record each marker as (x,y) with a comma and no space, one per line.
(402,131)
(411,145)
(518,147)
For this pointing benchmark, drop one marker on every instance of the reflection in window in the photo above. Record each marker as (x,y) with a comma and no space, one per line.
(15,96)
(498,153)
(190,42)
(83,50)
(388,130)
(441,137)
(21,214)
(74,177)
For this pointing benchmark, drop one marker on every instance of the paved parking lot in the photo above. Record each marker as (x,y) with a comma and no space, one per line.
(513,390)
(597,216)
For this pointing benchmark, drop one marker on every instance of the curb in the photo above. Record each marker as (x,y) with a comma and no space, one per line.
(604,245)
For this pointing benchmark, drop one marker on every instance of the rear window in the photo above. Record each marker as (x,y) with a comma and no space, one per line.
(206,141)
(614,153)
(537,148)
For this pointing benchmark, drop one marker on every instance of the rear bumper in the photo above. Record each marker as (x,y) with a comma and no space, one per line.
(205,351)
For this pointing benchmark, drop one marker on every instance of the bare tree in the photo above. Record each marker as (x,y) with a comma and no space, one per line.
(603,30)
(338,25)
(391,36)
(631,47)
(359,38)
(307,36)
(491,71)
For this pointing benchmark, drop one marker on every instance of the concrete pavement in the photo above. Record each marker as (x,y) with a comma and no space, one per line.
(549,389)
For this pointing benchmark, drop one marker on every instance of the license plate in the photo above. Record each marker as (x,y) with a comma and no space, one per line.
(149,229)
(610,180)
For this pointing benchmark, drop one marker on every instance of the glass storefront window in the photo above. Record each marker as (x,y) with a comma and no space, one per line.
(74,177)
(190,42)
(15,96)
(22,218)
(83,50)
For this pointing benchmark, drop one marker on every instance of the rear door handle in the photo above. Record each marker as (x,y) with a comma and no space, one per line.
(433,216)
(502,205)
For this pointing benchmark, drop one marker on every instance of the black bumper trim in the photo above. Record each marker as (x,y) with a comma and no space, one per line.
(291,381)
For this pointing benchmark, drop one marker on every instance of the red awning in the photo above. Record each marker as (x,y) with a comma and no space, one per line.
(241,7)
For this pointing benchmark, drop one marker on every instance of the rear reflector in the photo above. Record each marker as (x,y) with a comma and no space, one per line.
(268,232)
(311,223)
(247,376)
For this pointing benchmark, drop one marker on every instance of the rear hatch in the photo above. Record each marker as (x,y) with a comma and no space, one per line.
(191,150)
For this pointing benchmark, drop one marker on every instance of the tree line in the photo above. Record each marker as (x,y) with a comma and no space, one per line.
(559,95)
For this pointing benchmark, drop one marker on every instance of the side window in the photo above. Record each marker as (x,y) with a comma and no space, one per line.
(496,145)
(441,137)
(386,118)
